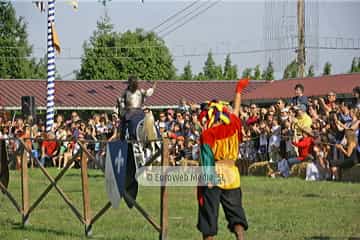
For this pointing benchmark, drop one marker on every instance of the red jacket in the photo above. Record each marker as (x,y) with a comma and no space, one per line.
(251,120)
(50,147)
(304,145)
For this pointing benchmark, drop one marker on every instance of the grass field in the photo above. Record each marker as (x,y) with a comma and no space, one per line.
(276,209)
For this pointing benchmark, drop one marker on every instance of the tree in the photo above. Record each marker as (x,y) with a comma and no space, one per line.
(358,67)
(187,75)
(112,55)
(15,51)
(104,2)
(311,71)
(200,76)
(354,65)
(257,73)
(327,69)
(211,70)
(246,73)
(291,70)
(230,71)
(268,74)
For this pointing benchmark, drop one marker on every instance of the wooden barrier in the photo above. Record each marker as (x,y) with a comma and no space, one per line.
(86,218)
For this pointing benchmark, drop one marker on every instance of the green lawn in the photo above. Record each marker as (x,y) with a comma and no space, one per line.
(276,209)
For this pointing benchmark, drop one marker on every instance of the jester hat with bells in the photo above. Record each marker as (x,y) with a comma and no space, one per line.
(215,111)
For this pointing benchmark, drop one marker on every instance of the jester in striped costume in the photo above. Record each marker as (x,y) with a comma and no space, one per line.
(219,150)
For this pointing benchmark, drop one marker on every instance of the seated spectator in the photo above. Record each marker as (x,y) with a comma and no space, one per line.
(49,149)
(318,169)
(350,154)
(305,145)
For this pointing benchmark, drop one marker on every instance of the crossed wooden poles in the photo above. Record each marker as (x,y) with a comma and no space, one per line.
(25,209)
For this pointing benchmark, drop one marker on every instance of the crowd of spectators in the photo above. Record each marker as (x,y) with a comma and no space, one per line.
(322,131)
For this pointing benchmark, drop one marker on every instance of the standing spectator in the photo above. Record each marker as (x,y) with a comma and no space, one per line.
(274,141)
(356,100)
(196,124)
(280,106)
(162,120)
(184,106)
(344,115)
(330,104)
(302,120)
(299,98)
(170,119)
(263,132)
(62,135)
(253,118)
(180,120)
(75,117)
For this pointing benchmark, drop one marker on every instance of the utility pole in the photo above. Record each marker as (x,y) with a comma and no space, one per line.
(301,37)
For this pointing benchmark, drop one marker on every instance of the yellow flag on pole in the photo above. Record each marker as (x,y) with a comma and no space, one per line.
(55,38)
(74,4)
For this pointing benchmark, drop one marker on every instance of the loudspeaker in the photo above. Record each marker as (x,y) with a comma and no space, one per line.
(28,107)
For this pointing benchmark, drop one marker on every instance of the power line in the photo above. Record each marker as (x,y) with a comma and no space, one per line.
(196,15)
(174,15)
(184,17)
(194,54)
(333,48)
(175,56)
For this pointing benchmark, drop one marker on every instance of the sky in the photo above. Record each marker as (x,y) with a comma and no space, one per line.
(236,27)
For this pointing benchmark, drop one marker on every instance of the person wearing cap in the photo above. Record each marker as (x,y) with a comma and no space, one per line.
(132,102)
(218,153)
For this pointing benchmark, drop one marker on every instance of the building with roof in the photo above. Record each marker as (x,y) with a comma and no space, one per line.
(102,94)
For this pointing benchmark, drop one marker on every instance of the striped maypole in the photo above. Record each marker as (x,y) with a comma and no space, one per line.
(50,103)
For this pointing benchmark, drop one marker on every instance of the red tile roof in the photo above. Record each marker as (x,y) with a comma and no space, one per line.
(102,94)
(315,86)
